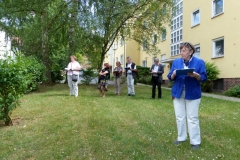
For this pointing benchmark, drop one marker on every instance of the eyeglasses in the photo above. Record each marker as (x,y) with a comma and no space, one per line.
(188,44)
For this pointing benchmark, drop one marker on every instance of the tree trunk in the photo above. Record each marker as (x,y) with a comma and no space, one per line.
(72,25)
(45,47)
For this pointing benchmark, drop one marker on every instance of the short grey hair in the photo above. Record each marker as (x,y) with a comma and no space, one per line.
(156,60)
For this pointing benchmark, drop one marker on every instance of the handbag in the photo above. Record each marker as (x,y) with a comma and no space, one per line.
(74,76)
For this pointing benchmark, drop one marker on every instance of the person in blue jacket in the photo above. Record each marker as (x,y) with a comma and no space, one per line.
(186,94)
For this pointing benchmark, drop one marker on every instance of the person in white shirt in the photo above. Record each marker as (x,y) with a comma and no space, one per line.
(131,72)
(73,68)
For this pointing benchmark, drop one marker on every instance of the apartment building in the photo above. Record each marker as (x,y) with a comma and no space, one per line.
(212,26)
(5,45)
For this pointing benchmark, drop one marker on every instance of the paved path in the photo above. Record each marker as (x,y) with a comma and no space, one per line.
(206,94)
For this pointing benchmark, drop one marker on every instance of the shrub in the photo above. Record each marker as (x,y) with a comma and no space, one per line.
(88,76)
(14,82)
(233,91)
(212,74)
(142,74)
(35,68)
(17,77)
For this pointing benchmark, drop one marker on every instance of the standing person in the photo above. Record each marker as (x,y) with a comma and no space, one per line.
(186,94)
(117,78)
(130,74)
(157,70)
(103,80)
(73,68)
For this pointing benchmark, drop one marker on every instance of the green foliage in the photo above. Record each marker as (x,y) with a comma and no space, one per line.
(143,75)
(233,91)
(35,68)
(212,74)
(123,79)
(88,76)
(17,77)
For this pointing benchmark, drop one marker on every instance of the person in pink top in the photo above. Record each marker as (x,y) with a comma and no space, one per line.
(73,68)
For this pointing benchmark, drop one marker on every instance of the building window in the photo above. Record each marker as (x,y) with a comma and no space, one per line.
(164,34)
(175,49)
(164,8)
(116,45)
(145,24)
(196,18)
(176,36)
(144,63)
(144,45)
(218,7)
(197,51)
(218,48)
(163,57)
(122,42)
(178,9)
(154,38)
(177,23)
(121,59)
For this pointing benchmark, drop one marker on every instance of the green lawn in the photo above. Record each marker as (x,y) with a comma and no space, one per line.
(52,125)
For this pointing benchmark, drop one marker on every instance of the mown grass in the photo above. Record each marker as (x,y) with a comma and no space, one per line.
(51,125)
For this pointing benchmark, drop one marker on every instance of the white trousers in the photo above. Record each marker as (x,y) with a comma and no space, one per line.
(73,86)
(130,83)
(187,110)
(117,85)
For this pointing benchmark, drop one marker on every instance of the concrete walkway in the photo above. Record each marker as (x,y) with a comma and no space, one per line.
(205,94)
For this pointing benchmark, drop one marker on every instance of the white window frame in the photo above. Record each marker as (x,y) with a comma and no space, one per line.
(163,57)
(195,24)
(122,42)
(144,62)
(214,55)
(144,45)
(145,24)
(164,38)
(153,38)
(121,58)
(214,7)
(197,46)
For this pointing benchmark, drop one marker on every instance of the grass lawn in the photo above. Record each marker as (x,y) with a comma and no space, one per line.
(52,125)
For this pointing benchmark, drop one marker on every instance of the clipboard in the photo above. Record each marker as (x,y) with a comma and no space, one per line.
(127,68)
(184,71)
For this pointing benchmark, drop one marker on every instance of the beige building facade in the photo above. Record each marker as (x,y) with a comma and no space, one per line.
(212,26)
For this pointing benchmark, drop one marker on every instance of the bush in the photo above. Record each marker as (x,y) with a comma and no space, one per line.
(212,74)
(17,77)
(88,76)
(233,91)
(35,68)
(142,75)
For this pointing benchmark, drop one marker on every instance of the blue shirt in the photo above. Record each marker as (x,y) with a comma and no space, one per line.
(191,84)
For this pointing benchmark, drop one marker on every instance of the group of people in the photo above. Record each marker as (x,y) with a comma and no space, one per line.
(186,90)
(130,72)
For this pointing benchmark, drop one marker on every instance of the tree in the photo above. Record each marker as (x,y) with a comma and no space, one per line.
(41,28)
(105,21)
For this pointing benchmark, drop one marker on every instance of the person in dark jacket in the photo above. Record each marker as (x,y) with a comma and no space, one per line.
(130,74)
(103,80)
(186,94)
(156,70)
